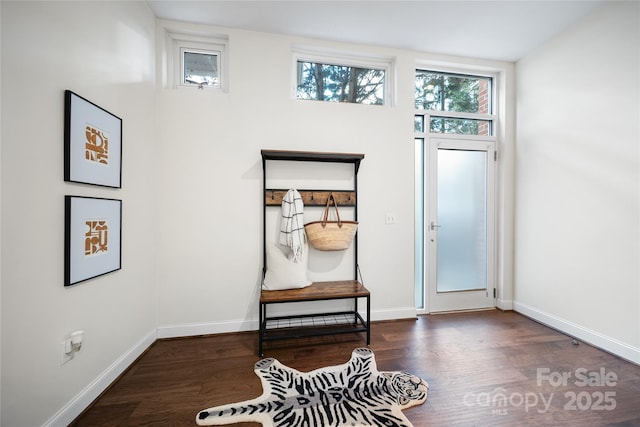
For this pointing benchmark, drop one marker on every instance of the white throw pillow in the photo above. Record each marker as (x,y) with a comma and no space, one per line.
(283,273)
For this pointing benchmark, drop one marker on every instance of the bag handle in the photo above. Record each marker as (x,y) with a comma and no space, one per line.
(326,211)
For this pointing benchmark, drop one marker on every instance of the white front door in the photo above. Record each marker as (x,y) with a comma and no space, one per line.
(460,224)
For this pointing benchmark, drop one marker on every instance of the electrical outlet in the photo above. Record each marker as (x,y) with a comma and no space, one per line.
(390,218)
(66,353)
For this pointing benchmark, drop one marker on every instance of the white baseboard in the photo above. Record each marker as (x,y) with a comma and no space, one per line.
(83,399)
(594,338)
(241,325)
(191,329)
(396,314)
(504,304)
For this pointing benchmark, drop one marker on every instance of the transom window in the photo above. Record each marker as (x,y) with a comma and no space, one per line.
(200,67)
(340,83)
(196,61)
(453,103)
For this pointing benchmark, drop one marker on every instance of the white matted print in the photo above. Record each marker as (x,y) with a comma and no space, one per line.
(93,235)
(92,143)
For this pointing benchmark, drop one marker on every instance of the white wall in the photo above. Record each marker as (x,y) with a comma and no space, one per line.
(578,181)
(0,215)
(191,191)
(103,51)
(210,213)
(209,272)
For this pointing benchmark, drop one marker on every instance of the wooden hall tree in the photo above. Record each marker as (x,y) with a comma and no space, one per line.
(318,323)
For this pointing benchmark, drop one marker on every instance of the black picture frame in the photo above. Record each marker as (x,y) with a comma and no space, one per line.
(92,143)
(93,238)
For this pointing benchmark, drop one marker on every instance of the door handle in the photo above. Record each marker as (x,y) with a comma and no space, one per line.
(434,225)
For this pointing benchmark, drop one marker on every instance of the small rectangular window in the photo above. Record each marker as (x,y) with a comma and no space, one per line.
(196,61)
(200,68)
(340,83)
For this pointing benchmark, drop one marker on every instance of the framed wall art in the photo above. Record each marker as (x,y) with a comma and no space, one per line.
(93,238)
(92,143)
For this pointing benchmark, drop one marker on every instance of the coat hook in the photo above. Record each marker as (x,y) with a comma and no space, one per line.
(272,195)
(312,195)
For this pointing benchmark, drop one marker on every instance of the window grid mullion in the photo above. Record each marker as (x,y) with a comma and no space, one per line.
(456,115)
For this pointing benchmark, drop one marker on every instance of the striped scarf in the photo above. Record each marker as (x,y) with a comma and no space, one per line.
(292,224)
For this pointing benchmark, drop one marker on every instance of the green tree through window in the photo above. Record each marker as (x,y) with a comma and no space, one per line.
(442,92)
(339,83)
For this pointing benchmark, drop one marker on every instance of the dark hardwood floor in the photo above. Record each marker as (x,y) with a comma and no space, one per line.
(484,369)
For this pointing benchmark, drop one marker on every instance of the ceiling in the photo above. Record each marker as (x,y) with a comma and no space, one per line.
(498,30)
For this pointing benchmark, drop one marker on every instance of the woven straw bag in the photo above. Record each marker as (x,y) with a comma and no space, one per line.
(328,235)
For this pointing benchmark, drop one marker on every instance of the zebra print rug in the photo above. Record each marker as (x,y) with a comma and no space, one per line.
(355,394)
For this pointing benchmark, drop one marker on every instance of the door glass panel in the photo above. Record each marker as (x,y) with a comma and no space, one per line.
(461,220)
